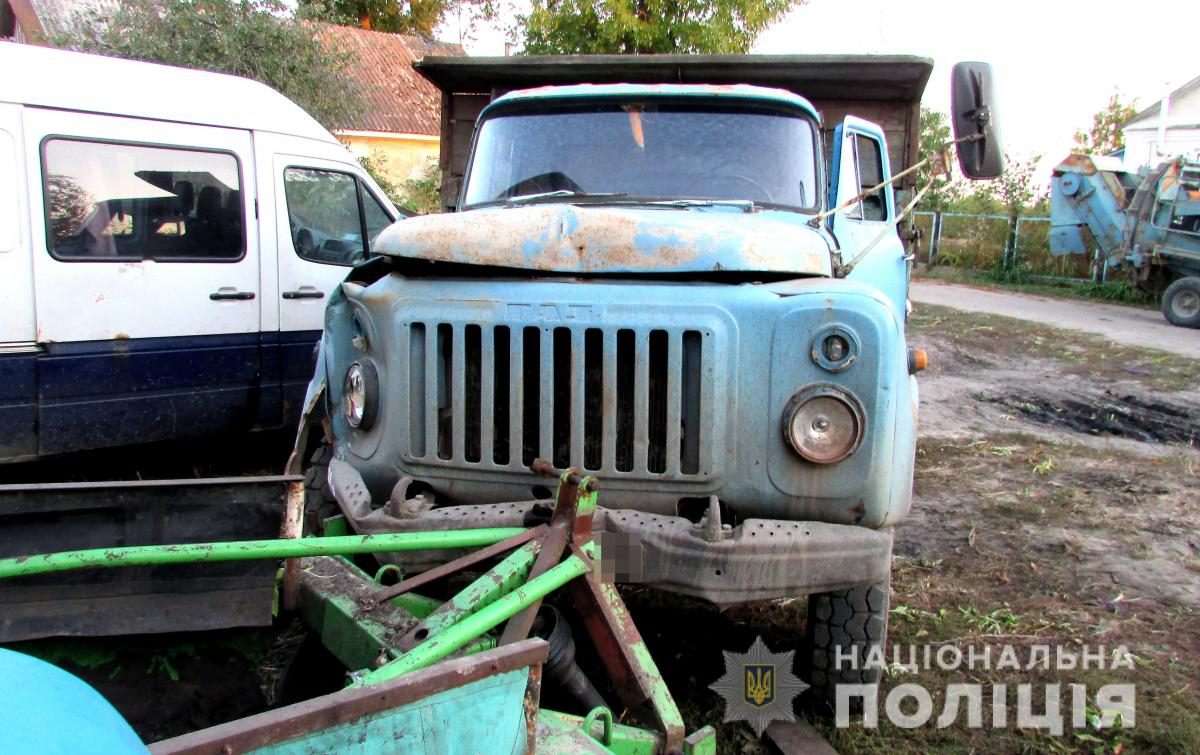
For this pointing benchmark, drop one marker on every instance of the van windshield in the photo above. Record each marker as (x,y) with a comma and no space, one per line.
(647,151)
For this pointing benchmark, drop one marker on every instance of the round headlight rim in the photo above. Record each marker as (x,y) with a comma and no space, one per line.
(831,391)
(370,404)
(817,348)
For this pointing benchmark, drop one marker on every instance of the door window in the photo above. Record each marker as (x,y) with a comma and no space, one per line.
(868,159)
(373,213)
(331,217)
(117,202)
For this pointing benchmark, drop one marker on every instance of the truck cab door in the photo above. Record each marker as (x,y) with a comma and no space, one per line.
(860,162)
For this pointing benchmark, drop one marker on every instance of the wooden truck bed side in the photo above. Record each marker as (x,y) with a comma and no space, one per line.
(885,89)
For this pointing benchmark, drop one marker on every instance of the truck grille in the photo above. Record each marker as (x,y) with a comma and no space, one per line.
(625,401)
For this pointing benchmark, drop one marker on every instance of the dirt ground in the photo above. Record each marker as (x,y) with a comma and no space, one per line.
(1055,504)
(1098,461)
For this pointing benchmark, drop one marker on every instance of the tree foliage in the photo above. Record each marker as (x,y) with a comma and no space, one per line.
(412,17)
(397,16)
(648,26)
(1105,135)
(374,164)
(423,194)
(943,191)
(257,39)
(1020,190)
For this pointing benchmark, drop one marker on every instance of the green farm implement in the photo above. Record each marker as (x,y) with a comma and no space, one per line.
(459,675)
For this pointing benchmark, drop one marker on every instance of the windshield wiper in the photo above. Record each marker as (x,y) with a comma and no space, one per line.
(746,205)
(562,194)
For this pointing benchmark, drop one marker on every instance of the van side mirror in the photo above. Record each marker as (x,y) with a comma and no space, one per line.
(976,125)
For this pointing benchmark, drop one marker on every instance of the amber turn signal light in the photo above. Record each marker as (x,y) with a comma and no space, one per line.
(918,360)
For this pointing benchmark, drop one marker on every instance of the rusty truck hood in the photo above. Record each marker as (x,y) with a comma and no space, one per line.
(615,239)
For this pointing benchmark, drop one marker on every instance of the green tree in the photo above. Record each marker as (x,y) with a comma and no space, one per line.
(1105,135)
(373,164)
(413,17)
(257,39)
(648,26)
(423,194)
(1020,190)
(935,132)
(396,16)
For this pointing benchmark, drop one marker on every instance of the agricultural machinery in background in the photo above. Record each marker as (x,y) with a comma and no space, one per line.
(1148,225)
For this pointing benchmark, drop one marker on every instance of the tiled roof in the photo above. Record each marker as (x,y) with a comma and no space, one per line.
(56,15)
(399,100)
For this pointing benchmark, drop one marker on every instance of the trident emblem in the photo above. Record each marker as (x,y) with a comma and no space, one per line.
(760,684)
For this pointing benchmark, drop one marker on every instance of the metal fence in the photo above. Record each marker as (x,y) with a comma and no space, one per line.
(994,242)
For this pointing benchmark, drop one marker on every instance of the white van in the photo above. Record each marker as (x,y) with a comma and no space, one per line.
(167,239)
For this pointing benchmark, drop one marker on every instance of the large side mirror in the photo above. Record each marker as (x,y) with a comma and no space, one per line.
(976,125)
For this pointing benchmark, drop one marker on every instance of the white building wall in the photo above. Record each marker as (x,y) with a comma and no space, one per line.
(1182,135)
(1141,146)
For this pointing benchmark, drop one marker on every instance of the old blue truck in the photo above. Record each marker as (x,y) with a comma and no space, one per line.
(680,274)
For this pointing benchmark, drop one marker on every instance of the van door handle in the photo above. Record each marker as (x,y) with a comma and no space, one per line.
(305,292)
(231,294)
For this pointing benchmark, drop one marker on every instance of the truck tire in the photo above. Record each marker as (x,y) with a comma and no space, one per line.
(1181,302)
(319,503)
(841,625)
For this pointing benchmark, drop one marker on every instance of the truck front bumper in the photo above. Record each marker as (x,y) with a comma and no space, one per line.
(757,559)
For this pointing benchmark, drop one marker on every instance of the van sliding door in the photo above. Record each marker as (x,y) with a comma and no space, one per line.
(18,352)
(147,280)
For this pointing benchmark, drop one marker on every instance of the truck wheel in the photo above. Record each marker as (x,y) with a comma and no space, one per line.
(319,503)
(843,627)
(1181,302)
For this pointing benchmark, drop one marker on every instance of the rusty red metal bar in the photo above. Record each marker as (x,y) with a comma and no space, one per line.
(458,564)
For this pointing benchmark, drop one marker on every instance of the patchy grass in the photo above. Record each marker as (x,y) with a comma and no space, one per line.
(1013,340)
(1111,292)
(1013,569)
(1003,560)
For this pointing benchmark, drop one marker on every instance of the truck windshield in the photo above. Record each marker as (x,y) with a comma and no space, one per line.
(647,151)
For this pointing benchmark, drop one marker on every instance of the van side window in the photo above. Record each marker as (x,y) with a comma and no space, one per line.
(869,159)
(108,201)
(328,223)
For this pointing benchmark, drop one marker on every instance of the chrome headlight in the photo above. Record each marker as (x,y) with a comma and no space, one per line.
(823,424)
(360,395)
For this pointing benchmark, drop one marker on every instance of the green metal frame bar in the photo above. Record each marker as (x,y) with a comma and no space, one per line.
(615,738)
(500,580)
(645,667)
(418,605)
(485,619)
(356,638)
(589,496)
(247,550)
